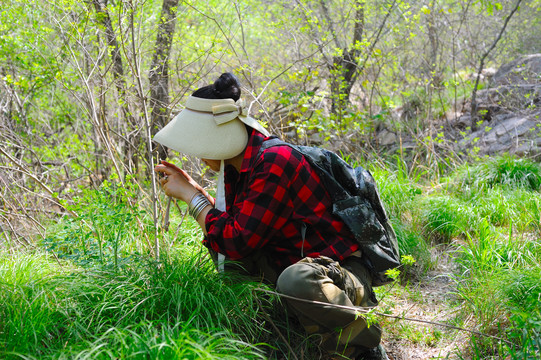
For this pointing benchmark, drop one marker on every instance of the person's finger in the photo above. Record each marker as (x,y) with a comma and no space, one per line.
(172,166)
(176,168)
(183,173)
(163,170)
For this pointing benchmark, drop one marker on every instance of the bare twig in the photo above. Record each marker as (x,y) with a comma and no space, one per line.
(23,170)
(370,310)
(166,216)
(374,43)
(18,236)
(137,72)
(256,98)
(181,220)
(90,105)
(21,208)
(17,211)
(482,64)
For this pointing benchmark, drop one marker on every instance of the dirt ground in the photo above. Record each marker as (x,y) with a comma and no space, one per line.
(431,297)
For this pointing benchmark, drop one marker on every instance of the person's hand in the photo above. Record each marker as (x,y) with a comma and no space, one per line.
(178,184)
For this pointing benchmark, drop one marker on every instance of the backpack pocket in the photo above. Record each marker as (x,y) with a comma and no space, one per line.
(360,218)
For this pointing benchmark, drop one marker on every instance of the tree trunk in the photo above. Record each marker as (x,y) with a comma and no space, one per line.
(344,67)
(159,70)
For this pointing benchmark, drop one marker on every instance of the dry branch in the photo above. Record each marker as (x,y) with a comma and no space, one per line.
(22,169)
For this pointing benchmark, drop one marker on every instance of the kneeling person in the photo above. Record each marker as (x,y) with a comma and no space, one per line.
(273,215)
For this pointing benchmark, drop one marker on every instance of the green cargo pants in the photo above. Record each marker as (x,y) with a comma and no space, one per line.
(325,280)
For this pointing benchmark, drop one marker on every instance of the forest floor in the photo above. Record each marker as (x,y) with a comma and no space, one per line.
(431,298)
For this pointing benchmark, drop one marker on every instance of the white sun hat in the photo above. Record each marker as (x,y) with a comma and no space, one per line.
(209,128)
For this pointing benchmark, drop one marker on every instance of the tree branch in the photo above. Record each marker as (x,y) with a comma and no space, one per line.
(473,103)
(23,170)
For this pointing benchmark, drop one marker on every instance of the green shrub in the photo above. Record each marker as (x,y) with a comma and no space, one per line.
(107,227)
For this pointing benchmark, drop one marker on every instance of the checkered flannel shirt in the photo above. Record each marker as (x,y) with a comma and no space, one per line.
(266,204)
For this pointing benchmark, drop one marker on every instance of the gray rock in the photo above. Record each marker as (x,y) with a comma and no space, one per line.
(464,121)
(511,122)
(316,139)
(523,70)
(497,148)
(491,137)
(386,137)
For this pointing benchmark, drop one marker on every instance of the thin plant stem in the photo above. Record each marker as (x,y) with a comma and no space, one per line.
(369,310)
(137,72)
(267,317)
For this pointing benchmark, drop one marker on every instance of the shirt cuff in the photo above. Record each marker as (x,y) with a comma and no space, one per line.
(211,217)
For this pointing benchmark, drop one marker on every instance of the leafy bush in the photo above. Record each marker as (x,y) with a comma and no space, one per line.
(106,229)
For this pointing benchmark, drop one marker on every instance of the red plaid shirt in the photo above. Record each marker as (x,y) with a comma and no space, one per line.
(266,204)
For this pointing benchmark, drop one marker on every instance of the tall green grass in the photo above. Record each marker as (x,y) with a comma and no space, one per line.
(503,190)
(180,308)
(400,192)
(96,293)
(502,171)
(491,210)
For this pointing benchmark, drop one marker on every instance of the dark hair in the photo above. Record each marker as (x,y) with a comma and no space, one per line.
(226,87)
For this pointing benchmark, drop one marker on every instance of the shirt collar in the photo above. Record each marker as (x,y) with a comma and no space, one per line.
(255,141)
(252,148)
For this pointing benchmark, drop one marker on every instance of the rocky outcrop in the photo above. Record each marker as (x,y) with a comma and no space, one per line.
(509,120)
(510,113)
(524,70)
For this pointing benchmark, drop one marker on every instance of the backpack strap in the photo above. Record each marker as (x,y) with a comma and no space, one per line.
(273,141)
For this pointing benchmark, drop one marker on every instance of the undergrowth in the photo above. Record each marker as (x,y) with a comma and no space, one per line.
(91,289)
(495,224)
(179,308)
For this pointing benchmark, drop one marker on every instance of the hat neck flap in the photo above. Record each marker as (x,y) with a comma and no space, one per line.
(220,205)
